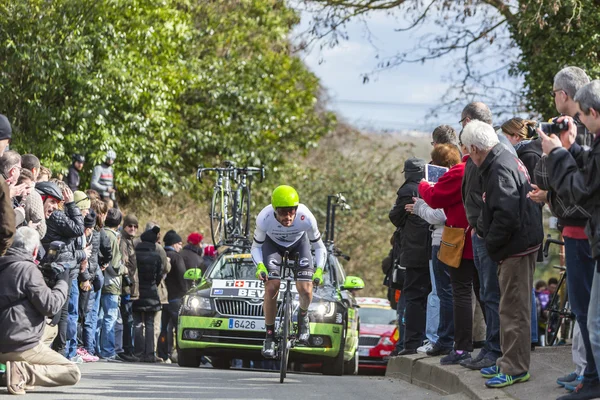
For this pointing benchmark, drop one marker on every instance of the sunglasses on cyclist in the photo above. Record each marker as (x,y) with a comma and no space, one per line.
(283,211)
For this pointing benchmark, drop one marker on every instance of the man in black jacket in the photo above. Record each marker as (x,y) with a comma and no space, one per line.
(176,288)
(72,178)
(511,226)
(414,256)
(574,173)
(25,303)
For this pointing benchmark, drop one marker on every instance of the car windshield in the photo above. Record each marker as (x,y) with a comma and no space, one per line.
(377,316)
(242,267)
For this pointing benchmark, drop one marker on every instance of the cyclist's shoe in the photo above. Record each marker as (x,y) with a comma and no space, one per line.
(261,272)
(268,350)
(303,329)
(318,276)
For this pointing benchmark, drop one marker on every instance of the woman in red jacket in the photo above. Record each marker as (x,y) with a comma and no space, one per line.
(446,194)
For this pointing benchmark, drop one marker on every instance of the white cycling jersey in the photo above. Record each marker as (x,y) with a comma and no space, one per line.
(287,236)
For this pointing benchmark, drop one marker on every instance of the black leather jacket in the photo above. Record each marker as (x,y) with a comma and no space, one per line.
(66,226)
(511,223)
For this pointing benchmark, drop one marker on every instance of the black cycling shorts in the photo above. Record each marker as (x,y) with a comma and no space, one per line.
(273,253)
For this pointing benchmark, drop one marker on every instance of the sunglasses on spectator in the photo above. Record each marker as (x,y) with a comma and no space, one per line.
(132,226)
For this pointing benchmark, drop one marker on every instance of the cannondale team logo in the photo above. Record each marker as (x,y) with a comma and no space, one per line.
(303,262)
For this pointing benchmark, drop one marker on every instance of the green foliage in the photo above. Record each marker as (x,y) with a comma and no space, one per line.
(167,84)
(552,36)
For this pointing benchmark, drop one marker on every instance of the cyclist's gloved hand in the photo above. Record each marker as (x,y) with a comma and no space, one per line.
(261,272)
(318,277)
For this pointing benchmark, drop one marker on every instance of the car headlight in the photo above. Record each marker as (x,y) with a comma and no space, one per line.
(196,303)
(386,341)
(324,309)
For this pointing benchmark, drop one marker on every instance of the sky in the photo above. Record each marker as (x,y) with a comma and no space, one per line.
(399,99)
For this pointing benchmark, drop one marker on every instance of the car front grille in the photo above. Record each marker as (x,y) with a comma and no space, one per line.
(237,308)
(370,341)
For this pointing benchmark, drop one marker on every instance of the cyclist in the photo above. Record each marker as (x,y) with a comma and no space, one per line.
(287,225)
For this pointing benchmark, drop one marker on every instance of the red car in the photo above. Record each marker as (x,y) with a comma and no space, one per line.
(378,333)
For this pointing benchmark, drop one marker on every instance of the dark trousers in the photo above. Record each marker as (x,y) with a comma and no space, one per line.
(127,321)
(144,333)
(443,285)
(60,342)
(462,290)
(417,286)
(400,306)
(580,275)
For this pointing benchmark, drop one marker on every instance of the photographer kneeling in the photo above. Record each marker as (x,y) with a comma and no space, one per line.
(25,301)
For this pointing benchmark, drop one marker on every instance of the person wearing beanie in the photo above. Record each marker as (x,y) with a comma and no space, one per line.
(192,252)
(176,289)
(109,302)
(7,215)
(130,291)
(145,307)
(209,256)
(72,178)
(82,201)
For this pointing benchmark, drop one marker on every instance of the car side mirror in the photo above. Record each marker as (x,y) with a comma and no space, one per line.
(193,274)
(353,283)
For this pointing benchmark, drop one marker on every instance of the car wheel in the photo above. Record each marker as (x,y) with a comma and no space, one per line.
(188,358)
(221,363)
(351,366)
(335,365)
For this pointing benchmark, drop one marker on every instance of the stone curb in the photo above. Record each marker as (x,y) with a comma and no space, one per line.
(427,373)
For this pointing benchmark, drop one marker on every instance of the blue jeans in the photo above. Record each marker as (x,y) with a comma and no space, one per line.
(109,312)
(580,274)
(71,349)
(593,322)
(489,293)
(433,310)
(443,287)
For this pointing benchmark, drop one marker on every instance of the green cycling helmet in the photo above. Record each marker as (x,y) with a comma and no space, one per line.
(284,196)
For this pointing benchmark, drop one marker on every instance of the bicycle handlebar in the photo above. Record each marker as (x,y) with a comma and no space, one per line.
(231,168)
(549,241)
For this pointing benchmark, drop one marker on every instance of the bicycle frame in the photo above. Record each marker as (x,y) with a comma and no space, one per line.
(286,335)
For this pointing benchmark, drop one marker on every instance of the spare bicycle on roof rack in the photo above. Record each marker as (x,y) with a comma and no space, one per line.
(230,205)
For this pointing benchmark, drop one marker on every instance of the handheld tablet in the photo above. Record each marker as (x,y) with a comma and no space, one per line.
(433,173)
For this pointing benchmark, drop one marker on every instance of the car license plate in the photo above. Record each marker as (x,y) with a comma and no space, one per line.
(363,352)
(246,324)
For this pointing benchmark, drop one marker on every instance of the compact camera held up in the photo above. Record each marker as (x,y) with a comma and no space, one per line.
(54,264)
(554,127)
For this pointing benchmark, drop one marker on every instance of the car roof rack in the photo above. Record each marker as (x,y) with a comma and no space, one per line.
(234,245)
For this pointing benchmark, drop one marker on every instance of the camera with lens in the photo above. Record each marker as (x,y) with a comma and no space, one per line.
(54,263)
(554,127)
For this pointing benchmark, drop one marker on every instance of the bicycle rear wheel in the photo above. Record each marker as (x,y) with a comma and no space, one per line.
(285,348)
(245,212)
(217,218)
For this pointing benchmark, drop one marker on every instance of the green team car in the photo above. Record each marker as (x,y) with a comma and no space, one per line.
(222,317)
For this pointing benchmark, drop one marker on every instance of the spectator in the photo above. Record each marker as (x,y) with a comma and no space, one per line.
(7,215)
(510,224)
(45,174)
(103,178)
(102,256)
(176,289)
(552,285)
(573,174)
(487,269)
(26,183)
(63,226)
(10,167)
(34,209)
(26,301)
(522,135)
(130,291)
(72,177)
(109,302)
(415,245)
(209,255)
(192,252)
(92,194)
(149,265)
(443,134)
(446,194)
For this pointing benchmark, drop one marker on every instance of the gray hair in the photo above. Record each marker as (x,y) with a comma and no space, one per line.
(444,134)
(26,238)
(8,161)
(477,111)
(589,97)
(479,135)
(570,79)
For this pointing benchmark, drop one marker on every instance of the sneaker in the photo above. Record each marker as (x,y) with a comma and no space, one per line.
(571,386)
(153,359)
(85,356)
(567,379)
(268,350)
(407,352)
(481,354)
(128,357)
(427,346)
(490,372)
(15,378)
(167,361)
(111,359)
(394,353)
(455,358)
(303,329)
(77,359)
(583,392)
(485,362)
(438,350)
(503,380)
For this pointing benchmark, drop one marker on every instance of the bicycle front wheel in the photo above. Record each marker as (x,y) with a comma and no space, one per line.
(285,348)
(217,217)
(245,212)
